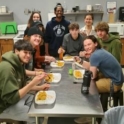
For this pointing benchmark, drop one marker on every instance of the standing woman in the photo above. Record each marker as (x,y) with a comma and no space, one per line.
(55,31)
(35,16)
(88,29)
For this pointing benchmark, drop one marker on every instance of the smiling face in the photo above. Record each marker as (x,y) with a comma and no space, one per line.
(35,40)
(24,56)
(59,12)
(36,17)
(89,46)
(88,20)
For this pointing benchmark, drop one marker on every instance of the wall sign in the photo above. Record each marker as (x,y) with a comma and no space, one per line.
(111,7)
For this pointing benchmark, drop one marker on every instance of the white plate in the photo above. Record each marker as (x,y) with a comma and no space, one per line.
(71,58)
(50,99)
(56,78)
(54,64)
(79,65)
(82,72)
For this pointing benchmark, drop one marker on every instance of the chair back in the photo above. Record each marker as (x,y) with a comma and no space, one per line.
(114,115)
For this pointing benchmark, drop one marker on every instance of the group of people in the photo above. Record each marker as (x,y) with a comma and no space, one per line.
(100,49)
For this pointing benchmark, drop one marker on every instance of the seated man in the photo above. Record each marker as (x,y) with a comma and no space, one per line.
(14,98)
(101,62)
(109,42)
(72,42)
(100,59)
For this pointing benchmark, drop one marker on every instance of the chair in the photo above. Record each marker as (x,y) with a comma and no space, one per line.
(10,121)
(117,99)
(114,115)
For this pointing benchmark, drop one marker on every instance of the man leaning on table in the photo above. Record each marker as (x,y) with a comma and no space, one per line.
(72,42)
(101,61)
(14,98)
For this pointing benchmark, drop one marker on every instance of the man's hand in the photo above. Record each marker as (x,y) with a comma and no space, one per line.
(50,59)
(84,54)
(60,50)
(37,79)
(45,86)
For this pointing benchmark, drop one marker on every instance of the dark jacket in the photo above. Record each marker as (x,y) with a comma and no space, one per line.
(54,34)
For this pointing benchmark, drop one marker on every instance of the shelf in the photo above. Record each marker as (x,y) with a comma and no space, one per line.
(8,13)
(81,12)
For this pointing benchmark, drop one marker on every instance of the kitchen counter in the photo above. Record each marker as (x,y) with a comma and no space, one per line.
(7,36)
(122,36)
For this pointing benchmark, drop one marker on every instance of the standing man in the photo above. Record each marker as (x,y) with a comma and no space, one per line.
(14,98)
(72,42)
(108,41)
(55,31)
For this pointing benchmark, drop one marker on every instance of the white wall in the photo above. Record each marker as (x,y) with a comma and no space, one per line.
(18,6)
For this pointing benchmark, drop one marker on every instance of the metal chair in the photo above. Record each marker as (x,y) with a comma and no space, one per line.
(106,98)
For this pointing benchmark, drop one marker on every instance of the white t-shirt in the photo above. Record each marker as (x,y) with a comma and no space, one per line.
(92,32)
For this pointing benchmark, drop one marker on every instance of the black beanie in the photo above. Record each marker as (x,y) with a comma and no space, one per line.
(35,30)
(36,23)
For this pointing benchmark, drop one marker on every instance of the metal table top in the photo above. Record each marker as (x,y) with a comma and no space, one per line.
(70,102)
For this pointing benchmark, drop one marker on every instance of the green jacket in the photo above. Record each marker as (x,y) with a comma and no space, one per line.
(113,45)
(12,78)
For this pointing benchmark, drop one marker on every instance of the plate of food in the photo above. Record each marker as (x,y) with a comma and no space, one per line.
(78,74)
(58,64)
(53,78)
(45,97)
(79,65)
(68,58)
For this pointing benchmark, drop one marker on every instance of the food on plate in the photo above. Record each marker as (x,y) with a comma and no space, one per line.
(78,74)
(60,63)
(68,57)
(42,95)
(49,78)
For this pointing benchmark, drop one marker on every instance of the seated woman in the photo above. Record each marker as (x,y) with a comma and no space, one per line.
(35,37)
(38,49)
(88,29)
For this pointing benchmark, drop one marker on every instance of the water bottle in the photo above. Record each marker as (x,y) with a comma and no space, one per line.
(86,82)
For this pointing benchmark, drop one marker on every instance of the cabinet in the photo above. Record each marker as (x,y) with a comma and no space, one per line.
(122,57)
(5,46)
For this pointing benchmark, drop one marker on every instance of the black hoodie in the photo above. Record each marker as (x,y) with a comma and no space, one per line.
(55,32)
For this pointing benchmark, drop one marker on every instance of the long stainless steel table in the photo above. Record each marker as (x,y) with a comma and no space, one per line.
(69,100)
